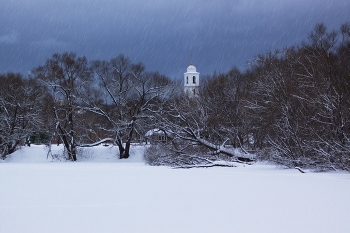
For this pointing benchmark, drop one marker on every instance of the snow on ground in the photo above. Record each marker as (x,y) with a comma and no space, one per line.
(103,194)
(39,154)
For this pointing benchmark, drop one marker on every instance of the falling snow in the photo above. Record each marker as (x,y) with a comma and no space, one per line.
(161,34)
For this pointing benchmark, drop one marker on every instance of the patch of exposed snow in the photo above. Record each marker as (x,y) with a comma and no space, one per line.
(101,153)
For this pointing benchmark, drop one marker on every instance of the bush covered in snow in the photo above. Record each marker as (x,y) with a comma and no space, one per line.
(195,156)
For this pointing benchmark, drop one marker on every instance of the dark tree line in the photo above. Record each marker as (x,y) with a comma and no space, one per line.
(300,99)
(290,107)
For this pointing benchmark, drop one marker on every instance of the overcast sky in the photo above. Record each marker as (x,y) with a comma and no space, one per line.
(162,34)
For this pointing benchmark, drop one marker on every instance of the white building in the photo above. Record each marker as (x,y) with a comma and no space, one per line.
(191,81)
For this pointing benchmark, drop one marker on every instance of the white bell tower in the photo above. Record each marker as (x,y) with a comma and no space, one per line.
(191,81)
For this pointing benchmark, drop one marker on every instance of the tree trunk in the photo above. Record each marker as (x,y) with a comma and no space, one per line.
(119,143)
(121,151)
(127,150)
(220,149)
(12,148)
(9,148)
(73,150)
(73,153)
(126,153)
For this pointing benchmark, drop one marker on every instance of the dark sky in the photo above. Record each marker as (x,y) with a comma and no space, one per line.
(160,33)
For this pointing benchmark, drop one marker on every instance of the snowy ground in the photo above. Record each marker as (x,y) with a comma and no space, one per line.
(103,194)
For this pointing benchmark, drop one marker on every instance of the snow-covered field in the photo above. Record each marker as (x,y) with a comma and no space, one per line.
(103,194)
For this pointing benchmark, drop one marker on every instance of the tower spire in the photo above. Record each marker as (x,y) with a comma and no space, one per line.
(191,80)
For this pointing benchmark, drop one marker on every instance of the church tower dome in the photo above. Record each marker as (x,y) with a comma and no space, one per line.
(191,81)
(191,68)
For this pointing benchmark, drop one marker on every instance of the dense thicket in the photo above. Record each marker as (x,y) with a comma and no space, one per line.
(290,107)
(23,106)
(299,101)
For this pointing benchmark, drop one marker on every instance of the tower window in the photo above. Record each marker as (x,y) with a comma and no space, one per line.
(194,79)
(187,80)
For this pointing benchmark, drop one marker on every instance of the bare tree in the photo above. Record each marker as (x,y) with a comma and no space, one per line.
(21,104)
(131,97)
(67,76)
(222,95)
(186,121)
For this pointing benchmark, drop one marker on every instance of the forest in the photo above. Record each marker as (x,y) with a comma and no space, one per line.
(290,107)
